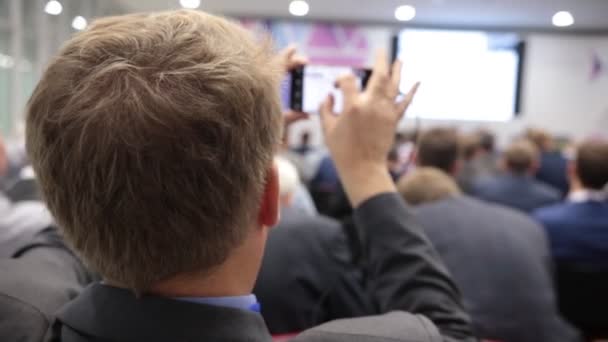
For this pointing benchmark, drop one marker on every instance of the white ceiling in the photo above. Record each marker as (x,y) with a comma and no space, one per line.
(519,14)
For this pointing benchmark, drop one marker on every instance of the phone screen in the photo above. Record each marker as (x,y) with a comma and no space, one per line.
(308,87)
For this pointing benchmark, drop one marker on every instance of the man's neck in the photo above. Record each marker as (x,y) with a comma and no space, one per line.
(212,285)
(234,277)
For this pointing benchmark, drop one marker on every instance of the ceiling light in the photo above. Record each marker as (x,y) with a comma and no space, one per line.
(79,23)
(405,13)
(298,8)
(53,7)
(563,19)
(191,4)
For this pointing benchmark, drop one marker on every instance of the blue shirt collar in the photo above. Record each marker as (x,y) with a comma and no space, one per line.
(248,302)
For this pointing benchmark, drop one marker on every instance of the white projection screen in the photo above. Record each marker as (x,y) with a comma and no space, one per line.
(465,75)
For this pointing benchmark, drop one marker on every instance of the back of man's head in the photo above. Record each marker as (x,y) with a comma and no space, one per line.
(438,147)
(541,138)
(152,136)
(521,157)
(470,145)
(427,184)
(486,140)
(592,164)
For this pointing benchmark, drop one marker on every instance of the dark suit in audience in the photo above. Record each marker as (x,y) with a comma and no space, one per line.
(498,257)
(43,276)
(578,231)
(517,187)
(552,171)
(516,191)
(308,276)
(552,168)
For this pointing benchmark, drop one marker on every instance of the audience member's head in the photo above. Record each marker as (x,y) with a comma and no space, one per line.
(156,132)
(590,170)
(486,141)
(305,139)
(470,146)
(438,147)
(288,180)
(521,158)
(541,138)
(427,184)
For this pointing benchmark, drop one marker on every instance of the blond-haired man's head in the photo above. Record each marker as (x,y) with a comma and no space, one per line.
(521,158)
(427,184)
(152,136)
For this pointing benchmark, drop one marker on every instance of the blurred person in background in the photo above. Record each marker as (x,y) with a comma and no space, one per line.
(516,187)
(304,147)
(438,148)
(578,228)
(470,150)
(479,158)
(487,158)
(293,194)
(499,258)
(39,278)
(309,273)
(553,163)
(19,221)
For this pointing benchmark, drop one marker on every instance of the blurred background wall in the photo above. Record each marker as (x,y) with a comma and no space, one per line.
(564,86)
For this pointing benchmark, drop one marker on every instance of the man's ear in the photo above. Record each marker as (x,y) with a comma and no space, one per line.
(269,210)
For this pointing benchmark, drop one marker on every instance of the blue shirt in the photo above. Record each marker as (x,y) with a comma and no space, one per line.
(578,231)
(248,302)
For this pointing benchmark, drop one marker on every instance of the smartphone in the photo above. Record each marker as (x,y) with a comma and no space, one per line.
(305,88)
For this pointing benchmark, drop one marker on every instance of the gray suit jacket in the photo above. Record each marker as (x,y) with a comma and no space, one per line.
(519,192)
(406,275)
(35,285)
(499,258)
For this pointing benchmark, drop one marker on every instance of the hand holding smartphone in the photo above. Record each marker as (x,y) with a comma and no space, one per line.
(305,88)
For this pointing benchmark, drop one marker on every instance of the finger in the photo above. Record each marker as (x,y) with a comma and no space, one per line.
(328,117)
(405,103)
(378,80)
(294,116)
(349,86)
(286,55)
(395,78)
(296,61)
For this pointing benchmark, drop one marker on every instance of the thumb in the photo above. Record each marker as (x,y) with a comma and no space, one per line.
(328,117)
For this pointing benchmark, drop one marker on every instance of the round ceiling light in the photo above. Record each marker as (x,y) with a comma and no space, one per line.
(299,8)
(79,23)
(53,7)
(190,4)
(405,13)
(563,19)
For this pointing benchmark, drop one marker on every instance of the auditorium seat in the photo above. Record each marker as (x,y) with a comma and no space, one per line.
(583,298)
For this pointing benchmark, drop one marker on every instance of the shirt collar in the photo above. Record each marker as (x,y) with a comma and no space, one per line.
(248,302)
(579,196)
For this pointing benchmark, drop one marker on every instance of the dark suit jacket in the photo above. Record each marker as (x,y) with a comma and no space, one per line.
(33,286)
(553,171)
(308,275)
(406,274)
(578,232)
(500,260)
(519,192)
